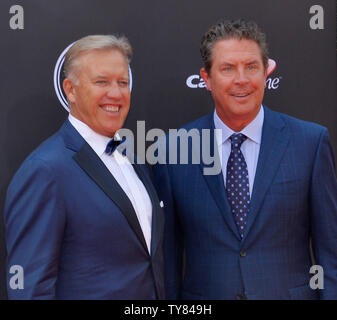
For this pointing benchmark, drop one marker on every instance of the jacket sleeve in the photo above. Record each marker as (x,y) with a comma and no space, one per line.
(173,240)
(34,221)
(323,204)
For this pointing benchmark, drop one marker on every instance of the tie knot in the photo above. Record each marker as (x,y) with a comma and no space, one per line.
(112,145)
(237,140)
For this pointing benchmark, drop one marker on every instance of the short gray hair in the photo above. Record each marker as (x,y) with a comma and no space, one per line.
(225,30)
(94,42)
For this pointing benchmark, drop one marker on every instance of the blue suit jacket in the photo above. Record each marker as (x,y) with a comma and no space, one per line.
(73,229)
(294,199)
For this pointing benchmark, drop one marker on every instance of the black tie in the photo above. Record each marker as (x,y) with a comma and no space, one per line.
(112,145)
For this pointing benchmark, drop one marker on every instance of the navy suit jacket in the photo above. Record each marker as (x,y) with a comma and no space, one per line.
(294,201)
(75,232)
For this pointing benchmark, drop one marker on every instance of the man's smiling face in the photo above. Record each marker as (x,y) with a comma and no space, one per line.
(237,80)
(101,96)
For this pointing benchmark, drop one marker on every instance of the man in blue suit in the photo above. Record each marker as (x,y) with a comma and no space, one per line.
(245,233)
(81,220)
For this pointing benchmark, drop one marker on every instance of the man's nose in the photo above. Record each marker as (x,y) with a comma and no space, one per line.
(114,91)
(241,76)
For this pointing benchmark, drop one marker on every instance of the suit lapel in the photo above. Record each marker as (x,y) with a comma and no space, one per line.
(217,188)
(88,160)
(157,214)
(216,182)
(275,138)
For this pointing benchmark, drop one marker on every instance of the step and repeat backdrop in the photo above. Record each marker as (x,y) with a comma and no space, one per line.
(167,90)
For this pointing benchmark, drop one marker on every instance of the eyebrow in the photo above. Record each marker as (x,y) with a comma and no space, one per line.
(100,76)
(227,64)
(233,64)
(253,62)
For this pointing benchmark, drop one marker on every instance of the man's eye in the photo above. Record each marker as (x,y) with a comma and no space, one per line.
(252,67)
(227,69)
(123,83)
(101,82)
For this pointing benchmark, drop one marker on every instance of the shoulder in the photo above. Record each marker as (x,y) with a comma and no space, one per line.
(43,162)
(48,151)
(40,159)
(301,128)
(205,122)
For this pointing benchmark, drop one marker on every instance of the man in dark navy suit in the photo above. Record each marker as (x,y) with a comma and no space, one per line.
(245,232)
(81,220)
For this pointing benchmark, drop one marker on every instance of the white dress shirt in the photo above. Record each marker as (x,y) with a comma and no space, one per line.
(250,148)
(122,170)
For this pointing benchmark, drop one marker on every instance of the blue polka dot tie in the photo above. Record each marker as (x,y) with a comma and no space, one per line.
(237,182)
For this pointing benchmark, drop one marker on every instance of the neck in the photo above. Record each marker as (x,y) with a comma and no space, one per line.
(236,123)
(237,127)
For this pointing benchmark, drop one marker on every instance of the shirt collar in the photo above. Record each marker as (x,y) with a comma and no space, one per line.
(253,130)
(95,140)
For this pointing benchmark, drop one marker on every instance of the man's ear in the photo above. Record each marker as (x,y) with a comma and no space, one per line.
(204,75)
(69,87)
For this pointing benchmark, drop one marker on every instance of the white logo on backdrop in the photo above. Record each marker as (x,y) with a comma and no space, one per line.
(58,78)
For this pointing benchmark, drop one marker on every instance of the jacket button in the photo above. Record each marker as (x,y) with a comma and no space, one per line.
(243,254)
